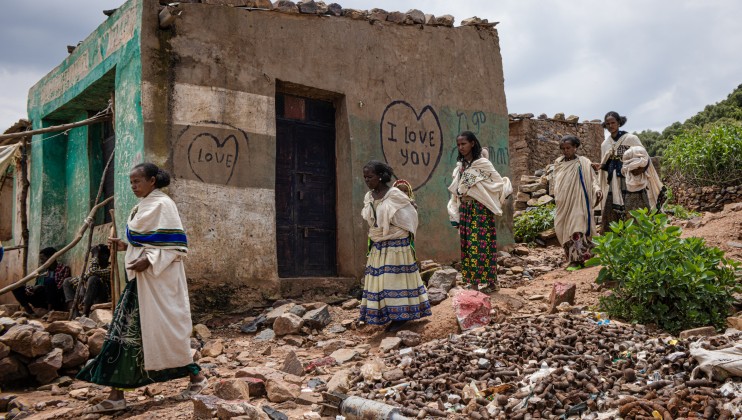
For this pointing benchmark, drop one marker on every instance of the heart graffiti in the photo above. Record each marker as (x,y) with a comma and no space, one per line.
(412,142)
(213,160)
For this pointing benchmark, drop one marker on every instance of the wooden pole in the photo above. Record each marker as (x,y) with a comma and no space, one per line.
(5,138)
(86,224)
(25,184)
(17,247)
(115,281)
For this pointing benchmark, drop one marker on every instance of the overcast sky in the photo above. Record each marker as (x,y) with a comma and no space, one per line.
(657,61)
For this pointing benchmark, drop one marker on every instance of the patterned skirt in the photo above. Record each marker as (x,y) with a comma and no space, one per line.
(393,289)
(478,232)
(614,213)
(120,363)
(579,248)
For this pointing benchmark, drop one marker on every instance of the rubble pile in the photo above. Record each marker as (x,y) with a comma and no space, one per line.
(534,190)
(32,351)
(311,7)
(287,318)
(552,365)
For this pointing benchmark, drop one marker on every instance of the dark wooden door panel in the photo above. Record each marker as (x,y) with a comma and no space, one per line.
(305,189)
(318,251)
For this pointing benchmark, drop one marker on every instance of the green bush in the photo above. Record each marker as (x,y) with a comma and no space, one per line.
(532,222)
(680,212)
(662,278)
(707,156)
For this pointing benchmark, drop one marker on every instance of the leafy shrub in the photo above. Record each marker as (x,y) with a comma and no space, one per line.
(680,212)
(661,278)
(532,222)
(707,156)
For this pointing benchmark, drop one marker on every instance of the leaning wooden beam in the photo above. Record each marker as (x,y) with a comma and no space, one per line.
(88,223)
(63,127)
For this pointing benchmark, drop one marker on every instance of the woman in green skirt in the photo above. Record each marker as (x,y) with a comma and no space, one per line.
(477,194)
(149,337)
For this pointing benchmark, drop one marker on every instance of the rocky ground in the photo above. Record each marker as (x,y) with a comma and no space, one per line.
(525,363)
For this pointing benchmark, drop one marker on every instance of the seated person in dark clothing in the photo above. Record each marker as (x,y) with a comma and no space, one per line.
(46,293)
(97,280)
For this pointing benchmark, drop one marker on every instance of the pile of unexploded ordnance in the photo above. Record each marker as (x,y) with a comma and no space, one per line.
(560,366)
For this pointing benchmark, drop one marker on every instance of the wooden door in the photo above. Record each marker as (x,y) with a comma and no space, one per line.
(305,187)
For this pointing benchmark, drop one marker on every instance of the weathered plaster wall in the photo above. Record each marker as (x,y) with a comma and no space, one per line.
(10,267)
(534,143)
(62,176)
(209,85)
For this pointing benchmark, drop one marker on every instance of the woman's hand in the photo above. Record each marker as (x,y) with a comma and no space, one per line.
(596,166)
(139,265)
(117,243)
(599,196)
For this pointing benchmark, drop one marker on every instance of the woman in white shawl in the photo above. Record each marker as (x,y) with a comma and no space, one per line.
(618,199)
(392,287)
(149,337)
(477,194)
(576,192)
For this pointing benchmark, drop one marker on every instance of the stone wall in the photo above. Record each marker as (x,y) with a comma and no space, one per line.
(704,198)
(534,142)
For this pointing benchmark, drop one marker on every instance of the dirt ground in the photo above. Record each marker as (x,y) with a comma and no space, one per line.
(240,350)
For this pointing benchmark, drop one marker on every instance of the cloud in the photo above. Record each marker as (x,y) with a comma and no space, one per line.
(656,61)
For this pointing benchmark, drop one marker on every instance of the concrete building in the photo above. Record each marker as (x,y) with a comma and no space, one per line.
(265,119)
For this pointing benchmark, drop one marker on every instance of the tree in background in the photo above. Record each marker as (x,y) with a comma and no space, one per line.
(728,111)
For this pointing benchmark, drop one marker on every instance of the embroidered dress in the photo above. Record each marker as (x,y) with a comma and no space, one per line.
(149,337)
(575,190)
(478,236)
(477,194)
(393,289)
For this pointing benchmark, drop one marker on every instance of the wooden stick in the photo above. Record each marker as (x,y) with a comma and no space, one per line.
(23,207)
(4,138)
(11,248)
(80,291)
(115,283)
(85,226)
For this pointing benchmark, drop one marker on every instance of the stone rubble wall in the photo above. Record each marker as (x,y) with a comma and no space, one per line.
(411,17)
(711,198)
(534,142)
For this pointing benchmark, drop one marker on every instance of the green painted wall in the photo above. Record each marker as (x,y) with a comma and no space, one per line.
(77,186)
(65,169)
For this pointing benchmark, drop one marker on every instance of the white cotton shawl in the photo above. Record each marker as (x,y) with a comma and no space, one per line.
(164,307)
(575,198)
(395,217)
(635,158)
(481,182)
(607,149)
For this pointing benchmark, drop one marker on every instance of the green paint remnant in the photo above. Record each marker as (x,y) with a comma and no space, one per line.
(66,169)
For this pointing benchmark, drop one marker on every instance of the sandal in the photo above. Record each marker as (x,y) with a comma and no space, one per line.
(194,388)
(106,406)
(489,289)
